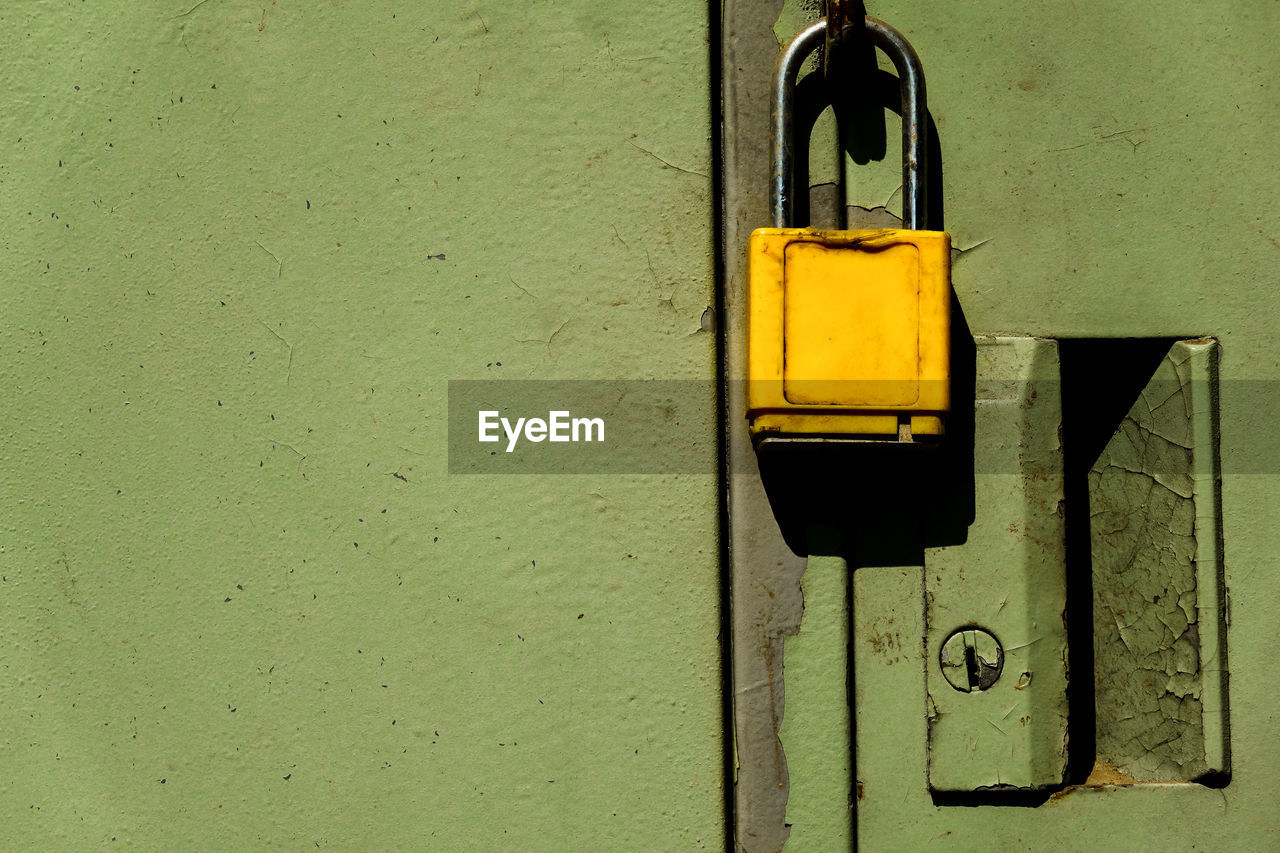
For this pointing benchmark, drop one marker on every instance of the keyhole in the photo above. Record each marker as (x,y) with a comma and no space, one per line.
(971,659)
(971,664)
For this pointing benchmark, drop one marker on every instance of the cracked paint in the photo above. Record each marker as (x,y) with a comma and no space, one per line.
(1147,517)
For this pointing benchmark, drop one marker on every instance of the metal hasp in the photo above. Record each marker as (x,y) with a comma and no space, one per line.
(848,332)
(1007,729)
(915,127)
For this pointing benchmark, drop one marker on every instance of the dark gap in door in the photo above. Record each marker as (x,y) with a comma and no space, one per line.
(715,107)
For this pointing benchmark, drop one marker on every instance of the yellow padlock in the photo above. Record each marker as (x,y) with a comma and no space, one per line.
(848,332)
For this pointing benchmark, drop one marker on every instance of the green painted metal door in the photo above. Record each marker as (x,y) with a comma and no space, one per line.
(243,603)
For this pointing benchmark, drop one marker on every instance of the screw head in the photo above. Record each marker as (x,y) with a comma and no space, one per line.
(971,659)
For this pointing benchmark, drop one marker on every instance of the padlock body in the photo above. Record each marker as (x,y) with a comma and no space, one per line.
(848,334)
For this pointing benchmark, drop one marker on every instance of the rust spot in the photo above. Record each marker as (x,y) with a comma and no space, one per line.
(862,794)
(882,644)
(1102,776)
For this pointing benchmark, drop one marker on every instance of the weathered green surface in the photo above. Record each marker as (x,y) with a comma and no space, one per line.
(1009,578)
(1153,500)
(1115,167)
(244,247)
(895,811)
(817,731)
(1107,172)
(1113,164)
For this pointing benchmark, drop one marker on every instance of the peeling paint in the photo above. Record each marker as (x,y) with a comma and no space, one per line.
(1102,777)
(1147,519)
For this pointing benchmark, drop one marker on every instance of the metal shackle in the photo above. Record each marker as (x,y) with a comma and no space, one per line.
(915,128)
